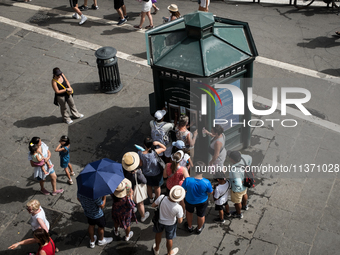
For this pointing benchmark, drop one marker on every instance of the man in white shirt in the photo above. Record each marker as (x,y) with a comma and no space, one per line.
(170,212)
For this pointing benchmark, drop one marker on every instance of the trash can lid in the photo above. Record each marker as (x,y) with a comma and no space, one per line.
(105,52)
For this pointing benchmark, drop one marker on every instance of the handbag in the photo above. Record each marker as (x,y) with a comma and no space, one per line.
(155,218)
(160,162)
(140,192)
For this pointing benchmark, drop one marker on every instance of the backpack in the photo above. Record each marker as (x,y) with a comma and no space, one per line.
(158,134)
(249,178)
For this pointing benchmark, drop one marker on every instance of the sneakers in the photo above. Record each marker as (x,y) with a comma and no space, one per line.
(228,214)
(106,240)
(235,215)
(58,191)
(121,22)
(93,244)
(199,231)
(82,21)
(76,16)
(245,208)
(187,227)
(219,220)
(127,238)
(94,7)
(126,17)
(154,251)
(83,8)
(80,115)
(69,122)
(146,215)
(116,231)
(174,251)
(45,192)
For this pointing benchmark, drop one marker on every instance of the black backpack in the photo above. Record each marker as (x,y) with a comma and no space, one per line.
(249,178)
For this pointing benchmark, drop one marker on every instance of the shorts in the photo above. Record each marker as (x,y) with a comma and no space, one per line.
(73,3)
(200,208)
(220,207)
(146,6)
(155,181)
(118,3)
(170,231)
(39,179)
(236,197)
(100,222)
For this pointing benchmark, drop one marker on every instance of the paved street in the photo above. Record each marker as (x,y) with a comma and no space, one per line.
(290,213)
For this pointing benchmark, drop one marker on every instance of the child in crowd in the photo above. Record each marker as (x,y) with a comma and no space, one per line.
(64,152)
(221,194)
(186,160)
(37,157)
(38,217)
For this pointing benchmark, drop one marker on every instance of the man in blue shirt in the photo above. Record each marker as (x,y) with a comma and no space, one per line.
(198,189)
(236,176)
(93,210)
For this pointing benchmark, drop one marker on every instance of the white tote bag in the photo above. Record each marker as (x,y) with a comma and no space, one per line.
(140,192)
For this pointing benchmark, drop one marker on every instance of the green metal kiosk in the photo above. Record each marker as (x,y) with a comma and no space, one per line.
(191,57)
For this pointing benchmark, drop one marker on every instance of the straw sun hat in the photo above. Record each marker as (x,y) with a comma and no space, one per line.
(177,193)
(173,8)
(130,161)
(120,191)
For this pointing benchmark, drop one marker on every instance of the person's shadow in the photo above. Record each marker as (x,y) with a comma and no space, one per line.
(37,121)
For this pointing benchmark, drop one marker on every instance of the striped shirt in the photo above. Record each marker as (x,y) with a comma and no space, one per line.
(91,206)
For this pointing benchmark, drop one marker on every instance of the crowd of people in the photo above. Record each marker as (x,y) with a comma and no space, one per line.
(163,158)
(120,7)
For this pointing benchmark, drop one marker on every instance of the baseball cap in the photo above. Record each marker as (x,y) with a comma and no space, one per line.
(179,144)
(160,114)
(234,155)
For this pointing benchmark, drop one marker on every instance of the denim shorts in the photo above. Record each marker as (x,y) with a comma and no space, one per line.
(39,179)
(170,231)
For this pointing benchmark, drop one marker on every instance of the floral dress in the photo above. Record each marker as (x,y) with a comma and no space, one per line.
(122,210)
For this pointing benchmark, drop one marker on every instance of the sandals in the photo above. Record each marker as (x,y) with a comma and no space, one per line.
(148,27)
(138,27)
(70,182)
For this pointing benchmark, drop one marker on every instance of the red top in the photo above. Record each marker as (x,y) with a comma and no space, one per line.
(176,179)
(49,249)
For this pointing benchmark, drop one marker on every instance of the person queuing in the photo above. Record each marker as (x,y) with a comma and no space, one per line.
(198,189)
(150,167)
(123,209)
(93,210)
(216,148)
(238,191)
(130,162)
(170,210)
(160,132)
(175,173)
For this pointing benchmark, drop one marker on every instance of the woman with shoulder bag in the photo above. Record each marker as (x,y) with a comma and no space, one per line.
(150,166)
(175,173)
(64,95)
(130,162)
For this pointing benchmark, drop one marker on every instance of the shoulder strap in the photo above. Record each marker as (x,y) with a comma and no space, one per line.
(52,245)
(225,191)
(159,206)
(136,177)
(174,173)
(59,83)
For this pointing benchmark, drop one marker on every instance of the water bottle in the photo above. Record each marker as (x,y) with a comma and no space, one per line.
(139,147)
(203,132)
